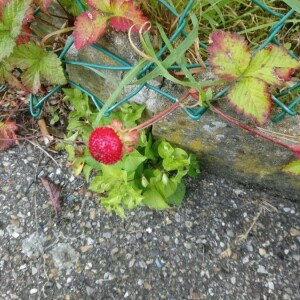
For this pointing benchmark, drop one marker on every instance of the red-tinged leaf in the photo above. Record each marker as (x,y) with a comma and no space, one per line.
(29,16)
(126,14)
(25,35)
(53,191)
(272,65)
(292,168)
(7,134)
(296,150)
(229,54)
(6,76)
(89,26)
(251,97)
(103,5)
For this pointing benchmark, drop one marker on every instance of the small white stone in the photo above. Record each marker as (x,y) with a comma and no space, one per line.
(149,230)
(271,285)
(261,270)
(233,280)
(262,251)
(33,291)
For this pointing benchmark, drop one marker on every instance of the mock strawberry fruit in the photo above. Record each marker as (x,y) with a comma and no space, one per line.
(108,144)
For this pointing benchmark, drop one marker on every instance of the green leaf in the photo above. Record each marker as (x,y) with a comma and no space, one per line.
(13,15)
(39,64)
(87,172)
(165,149)
(71,151)
(194,168)
(251,97)
(272,65)
(131,161)
(294,4)
(131,197)
(293,167)
(229,54)
(154,200)
(79,101)
(72,7)
(177,197)
(77,165)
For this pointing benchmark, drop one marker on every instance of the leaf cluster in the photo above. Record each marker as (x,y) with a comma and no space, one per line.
(151,175)
(25,64)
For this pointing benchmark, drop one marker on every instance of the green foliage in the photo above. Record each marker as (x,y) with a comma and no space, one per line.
(293,167)
(18,52)
(13,15)
(37,64)
(151,175)
(294,4)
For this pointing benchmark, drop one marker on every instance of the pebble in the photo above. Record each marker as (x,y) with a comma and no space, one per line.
(107,235)
(187,245)
(166,238)
(296,257)
(33,291)
(261,270)
(271,285)
(177,218)
(262,251)
(89,290)
(233,280)
(294,232)
(188,224)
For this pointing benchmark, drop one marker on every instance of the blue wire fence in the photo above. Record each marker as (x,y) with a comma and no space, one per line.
(36,104)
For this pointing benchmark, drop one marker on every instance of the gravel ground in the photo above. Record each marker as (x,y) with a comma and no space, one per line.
(226,242)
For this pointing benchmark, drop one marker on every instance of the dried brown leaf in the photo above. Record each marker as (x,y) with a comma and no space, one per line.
(53,191)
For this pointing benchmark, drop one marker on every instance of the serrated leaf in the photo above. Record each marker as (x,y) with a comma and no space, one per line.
(272,65)
(251,97)
(89,26)
(6,76)
(13,14)
(293,167)
(154,200)
(38,64)
(126,14)
(229,54)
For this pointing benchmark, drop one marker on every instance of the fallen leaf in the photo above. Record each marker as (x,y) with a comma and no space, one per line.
(53,191)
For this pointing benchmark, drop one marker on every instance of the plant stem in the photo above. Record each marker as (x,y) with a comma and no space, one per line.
(161,115)
(252,130)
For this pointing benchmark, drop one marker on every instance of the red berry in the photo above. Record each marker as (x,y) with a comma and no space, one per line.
(105,145)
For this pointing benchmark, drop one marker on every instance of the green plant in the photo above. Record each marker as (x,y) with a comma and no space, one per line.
(151,174)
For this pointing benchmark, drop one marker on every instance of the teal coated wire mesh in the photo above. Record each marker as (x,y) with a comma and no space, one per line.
(36,104)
